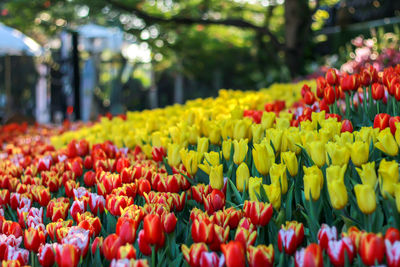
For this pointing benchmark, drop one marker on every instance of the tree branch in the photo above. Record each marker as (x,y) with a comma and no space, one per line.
(149,18)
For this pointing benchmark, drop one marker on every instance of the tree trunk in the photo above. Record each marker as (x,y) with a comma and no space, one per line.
(153,92)
(178,85)
(297,33)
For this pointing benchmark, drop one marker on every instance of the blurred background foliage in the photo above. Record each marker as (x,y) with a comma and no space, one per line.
(209,44)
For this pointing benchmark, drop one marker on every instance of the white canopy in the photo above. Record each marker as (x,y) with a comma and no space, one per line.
(13,42)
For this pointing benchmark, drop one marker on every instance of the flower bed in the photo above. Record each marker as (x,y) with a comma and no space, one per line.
(291,175)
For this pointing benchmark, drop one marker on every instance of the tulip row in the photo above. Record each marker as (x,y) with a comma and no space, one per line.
(213,182)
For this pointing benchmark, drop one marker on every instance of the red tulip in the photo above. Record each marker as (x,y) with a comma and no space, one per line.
(329,95)
(338,250)
(349,82)
(126,252)
(202,231)
(378,91)
(211,259)
(169,221)
(111,246)
(321,84)
(89,178)
(67,255)
(309,257)
(381,121)
(347,126)
(158,153)
(214,201)
(392,234)
(332,77)
(88,162)
(392,253)
(259,213)
(144,247)
(392,124)
(261,256)
(287,241)
(33,239)
(396,90)
(153,230)
(46,255)
(97,243)
(143,186)
(372,248)
(193,255)
(246,237)
(126,230)
(234,254)
(4,197)
(326,234)
(309,98)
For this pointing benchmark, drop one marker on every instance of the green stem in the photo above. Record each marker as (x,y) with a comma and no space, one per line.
(32,259)
(153,256)
(347,106)
(394,106)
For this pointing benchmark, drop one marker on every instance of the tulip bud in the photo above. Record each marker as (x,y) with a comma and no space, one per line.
(378,91)
(263,156)
(316,150)
(338,250)
(366,198)
(153,230)
(226,148)
(193,254)
(310,256)
(242,177)
(67,255)
(336,187)
(216,177)
(261,255)
(332,77)
(274,194)
(326,234)
(381,121)
(313,182)
(386,143)
(290,160)
(240,150)
(388,176)
(173,155)
(372,249)
(392,250)
(234,253)
(259,213)
(254,187)
(359,153)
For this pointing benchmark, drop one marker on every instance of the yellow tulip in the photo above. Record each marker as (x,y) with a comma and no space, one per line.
(291,140)
(189,160)
(282,123)
(397,196)
(237,113)
(210,159)
(216,177)
(359,152)
(274,195)
(316,150)
(290,160)
(338,154)
(193,134)
(173,155)
(307,125)
(332,126)
(240,130)
(268,119)
(215,134)
(263,157)
(156,139)
(308,136)
(388,176)
(202,147)
(277,173)
(368,174)
(242,177)
(226,148)
(366,134)
(274,136)
(318,117)
(366,198)
(312,186)
(254,187)
(386,143)
(345,138)
(227,129)
(397,133)
(240,150)
(257,133)
(147,151)
(336,187)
